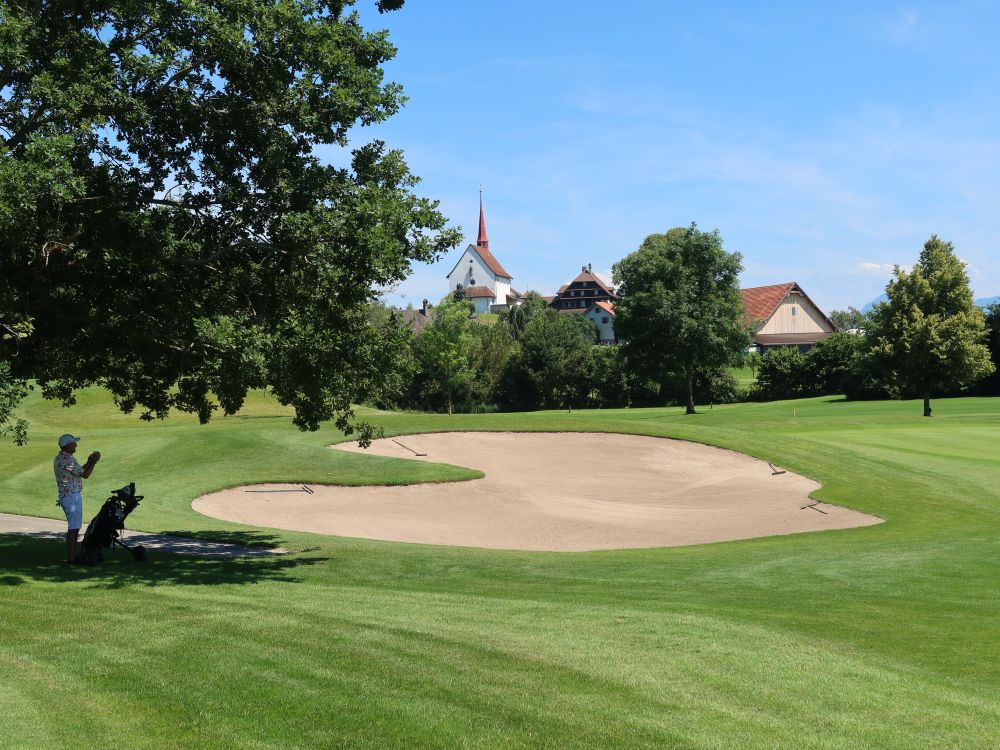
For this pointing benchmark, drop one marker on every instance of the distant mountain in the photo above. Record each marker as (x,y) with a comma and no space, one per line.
(868,308)
(984,302)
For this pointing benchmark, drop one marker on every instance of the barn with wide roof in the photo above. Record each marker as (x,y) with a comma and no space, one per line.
(785,316)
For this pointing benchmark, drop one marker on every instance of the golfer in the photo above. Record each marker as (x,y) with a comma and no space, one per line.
(69,480)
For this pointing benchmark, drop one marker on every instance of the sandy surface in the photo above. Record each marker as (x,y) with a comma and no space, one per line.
(551,491)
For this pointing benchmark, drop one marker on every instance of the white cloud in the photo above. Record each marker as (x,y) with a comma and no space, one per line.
(876,269)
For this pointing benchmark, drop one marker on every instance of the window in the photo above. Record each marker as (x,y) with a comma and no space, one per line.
(604,318)
(793,310)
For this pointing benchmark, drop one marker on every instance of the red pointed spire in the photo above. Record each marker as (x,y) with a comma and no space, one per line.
(483,240)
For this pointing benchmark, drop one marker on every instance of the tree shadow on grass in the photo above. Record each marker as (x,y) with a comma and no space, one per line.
(255,540)
(28,559)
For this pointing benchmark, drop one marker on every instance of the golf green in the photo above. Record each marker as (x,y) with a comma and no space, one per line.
(882,636)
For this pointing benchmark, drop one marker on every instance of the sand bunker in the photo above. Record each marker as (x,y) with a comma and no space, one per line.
(552,491)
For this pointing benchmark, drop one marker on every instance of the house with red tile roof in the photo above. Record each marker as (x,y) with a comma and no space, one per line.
(485,282)
(603,315)
(784,316)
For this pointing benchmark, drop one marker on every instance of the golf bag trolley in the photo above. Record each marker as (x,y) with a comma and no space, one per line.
(105,530)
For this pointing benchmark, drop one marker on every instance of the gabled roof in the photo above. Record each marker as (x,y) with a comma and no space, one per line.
(760,302)
(416,320)
(478,291)
(608,307)
(492,263)
(588,275)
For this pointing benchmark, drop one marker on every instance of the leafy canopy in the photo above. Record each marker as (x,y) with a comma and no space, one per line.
(929,336)
(680,310)
(443,347)
(166,227)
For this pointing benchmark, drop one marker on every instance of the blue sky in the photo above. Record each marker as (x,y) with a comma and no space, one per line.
(825,143)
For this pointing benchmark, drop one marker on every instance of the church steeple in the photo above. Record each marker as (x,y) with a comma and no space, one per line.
(483,240)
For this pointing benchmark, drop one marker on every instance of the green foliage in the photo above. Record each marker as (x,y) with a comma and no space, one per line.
(837,364)
(166,228)
(444,347)
(553,364)
(928,337)
(12,391)
(492,349)
(518,317)
(782,374)
(864,381)
(680,311)
(830,362)
(990,385)
(851,319)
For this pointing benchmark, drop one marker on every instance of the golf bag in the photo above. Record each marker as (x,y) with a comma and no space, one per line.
(104,531)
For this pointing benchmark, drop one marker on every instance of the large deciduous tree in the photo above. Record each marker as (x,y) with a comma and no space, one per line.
(166,226)
(552,366)
(680,310)
(929,336)
(444,347)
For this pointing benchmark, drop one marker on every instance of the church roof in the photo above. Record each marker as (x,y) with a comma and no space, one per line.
(490,261)
(482,248)
(478,291)
(482,240)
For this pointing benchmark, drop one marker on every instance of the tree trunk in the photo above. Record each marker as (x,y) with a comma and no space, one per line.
(927,406)
(690,388)
(449,399)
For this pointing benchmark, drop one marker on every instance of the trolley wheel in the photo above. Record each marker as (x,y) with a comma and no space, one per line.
(139,553)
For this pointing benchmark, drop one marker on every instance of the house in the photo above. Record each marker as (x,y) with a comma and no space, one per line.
(578,295)
(603,315)
(417,320)
(785,316)
(483,280)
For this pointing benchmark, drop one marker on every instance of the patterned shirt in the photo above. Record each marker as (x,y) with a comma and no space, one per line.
(69,474)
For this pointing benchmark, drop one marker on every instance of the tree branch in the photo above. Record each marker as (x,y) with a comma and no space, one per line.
(33,121)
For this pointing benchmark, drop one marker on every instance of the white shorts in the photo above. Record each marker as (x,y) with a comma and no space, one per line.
(72,505)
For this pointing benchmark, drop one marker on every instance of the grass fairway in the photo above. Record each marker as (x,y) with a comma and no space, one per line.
(880,637)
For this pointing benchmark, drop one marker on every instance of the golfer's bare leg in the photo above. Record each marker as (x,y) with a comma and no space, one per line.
(71,544)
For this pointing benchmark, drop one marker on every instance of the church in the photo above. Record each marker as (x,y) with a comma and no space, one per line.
(481,277)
